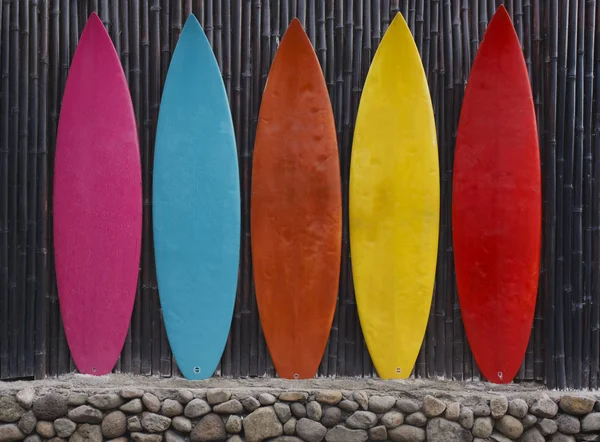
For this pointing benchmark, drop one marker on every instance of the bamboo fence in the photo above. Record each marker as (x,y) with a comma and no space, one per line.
(560,44)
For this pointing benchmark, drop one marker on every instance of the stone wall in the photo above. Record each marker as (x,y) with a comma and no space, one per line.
(312,415)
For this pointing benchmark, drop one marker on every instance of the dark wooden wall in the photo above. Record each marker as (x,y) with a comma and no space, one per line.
(560,45)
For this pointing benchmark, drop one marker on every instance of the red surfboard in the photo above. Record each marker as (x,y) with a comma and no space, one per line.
(296,214)
(97,204)
(497,204)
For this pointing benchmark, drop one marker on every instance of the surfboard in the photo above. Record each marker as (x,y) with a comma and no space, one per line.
(296,210)
(196,206)
(497,202)
(394,204)
(97,204)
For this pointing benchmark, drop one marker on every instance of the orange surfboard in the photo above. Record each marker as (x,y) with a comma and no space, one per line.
(296,214)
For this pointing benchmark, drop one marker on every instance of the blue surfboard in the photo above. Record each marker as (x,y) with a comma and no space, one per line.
(196,206)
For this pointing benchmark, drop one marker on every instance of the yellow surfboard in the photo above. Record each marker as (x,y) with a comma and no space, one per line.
(394,204)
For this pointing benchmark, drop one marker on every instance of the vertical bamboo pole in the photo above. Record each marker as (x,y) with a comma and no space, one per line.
(569,140)
(53,123)
(248,333)
(148,326)
(458,331)
(40,369)
(466,37)
(125,51)
(433,90)
(340,349)
(441,293)
(136,94)
(385,16)
(4,167)
(13,265)
(355,98)
(176,25)
(449,60)
(376,19)
(467,356)
(595,313)
(395,8)
(64,358)
(208,23)
(236,63)
(588,95)
(347,119)
(225,9)
(551,190)
(29,49)
(483,18)
(560,160)
(538,97)
(475,29)
(261,64)
(577,206)
(522,22)
(218,33)
(311,29)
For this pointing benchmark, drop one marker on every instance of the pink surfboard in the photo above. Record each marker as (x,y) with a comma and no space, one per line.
(97,204)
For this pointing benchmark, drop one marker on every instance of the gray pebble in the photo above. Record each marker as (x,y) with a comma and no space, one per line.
(529,421)
(381,404)
(510,426)
(452,411)
(568,424)
(134,406)
(378,433)
(45,429)
(407,406)
(289,427)
(151,402)
(232,406)
(250,403)
(182,424)
(196,408)
(417,419)
(282,411)
(466,418)
(432,406)
(184,396)
(392,419)
(547,427)
(298,410)
(266,399)
(64,427)
(483,427)
(517,408)
(481,409)
(362,420)
(349,406)
(131,393)
(498,406)
(233,424)
(331,417)
(171,408)
(310,431)
(314,411)
(217,396)
(27,422)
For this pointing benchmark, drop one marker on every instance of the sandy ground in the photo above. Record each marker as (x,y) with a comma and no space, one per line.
(415,388)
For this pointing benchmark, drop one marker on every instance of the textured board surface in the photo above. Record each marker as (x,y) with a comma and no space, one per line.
(196,197)
(496,210)
(296,216)
(394,204)
(97,204)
